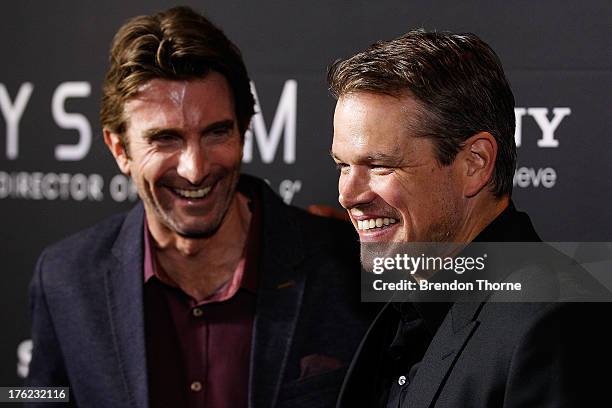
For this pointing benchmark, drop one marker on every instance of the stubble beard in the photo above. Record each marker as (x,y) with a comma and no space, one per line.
(169,221)
(443,231)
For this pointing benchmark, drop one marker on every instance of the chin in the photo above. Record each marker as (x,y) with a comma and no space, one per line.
(189,229)
(195,229)
(196,234)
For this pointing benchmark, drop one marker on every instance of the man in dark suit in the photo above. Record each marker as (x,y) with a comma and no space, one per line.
(424,142)
(211,292)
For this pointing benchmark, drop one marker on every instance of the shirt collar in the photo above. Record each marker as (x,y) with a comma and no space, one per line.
(510,225)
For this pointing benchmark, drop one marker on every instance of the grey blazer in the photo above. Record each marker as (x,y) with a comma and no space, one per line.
(88,320)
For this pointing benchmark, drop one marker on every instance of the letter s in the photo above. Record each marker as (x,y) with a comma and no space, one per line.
(71,120)
(480,263)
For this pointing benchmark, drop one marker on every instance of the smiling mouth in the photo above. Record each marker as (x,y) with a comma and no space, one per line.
(375,223)
(194,194)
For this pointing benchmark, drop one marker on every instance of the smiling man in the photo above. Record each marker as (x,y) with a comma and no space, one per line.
(211,292)
(399,176)
(424,142)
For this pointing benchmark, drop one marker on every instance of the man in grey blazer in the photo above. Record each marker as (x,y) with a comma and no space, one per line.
(211,292)
(424,141)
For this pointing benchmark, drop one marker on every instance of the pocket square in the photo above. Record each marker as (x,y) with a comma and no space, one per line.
(315,364)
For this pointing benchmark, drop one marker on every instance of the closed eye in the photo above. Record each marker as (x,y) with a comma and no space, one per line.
(342,167)
(164,138)
(381,170)
(221,131)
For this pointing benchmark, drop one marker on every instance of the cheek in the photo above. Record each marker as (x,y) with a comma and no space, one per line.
(448,187)
(152,165)
(227,155)
(393,190)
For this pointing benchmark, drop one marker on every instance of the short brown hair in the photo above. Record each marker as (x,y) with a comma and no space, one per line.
(176,44)
(457,79)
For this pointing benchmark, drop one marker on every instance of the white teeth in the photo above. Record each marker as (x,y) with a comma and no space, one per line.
(365,225)
(192,193)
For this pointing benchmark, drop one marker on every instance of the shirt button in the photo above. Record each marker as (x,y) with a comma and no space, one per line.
(197,312)
(401,380)
(196,386)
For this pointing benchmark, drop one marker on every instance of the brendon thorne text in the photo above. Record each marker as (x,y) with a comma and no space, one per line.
(424,285)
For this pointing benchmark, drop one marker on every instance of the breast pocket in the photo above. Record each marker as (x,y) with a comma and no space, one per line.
(317,391)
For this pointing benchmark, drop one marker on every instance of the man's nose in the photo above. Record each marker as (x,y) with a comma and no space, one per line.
(193,164)
(354,188)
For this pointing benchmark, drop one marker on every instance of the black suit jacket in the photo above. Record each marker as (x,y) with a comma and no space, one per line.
(489,354)
(88,322)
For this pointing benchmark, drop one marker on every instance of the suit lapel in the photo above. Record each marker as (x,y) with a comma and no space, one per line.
(459,325)
(357,387)
(444,350)
(279,297)
(123,285)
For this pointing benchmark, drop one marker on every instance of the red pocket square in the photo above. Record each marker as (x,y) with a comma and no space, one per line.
(315,364)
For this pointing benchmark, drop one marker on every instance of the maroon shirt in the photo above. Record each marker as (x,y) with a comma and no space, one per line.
(198,353)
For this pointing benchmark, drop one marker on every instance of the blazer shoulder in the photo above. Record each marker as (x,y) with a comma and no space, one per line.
(100,235)
(80,251)
(513,325)
(324,231)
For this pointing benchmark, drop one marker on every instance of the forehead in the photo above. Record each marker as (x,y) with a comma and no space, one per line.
(183,103)
(369,125)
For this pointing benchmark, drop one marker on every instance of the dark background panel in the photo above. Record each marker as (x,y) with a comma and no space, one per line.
(556,54)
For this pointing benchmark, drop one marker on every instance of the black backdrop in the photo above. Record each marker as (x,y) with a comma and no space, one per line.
(556,55)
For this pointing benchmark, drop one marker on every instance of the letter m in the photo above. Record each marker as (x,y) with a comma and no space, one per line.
(284,119)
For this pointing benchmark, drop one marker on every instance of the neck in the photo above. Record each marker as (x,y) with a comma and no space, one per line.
(476,217)
(480,214)
(199,266)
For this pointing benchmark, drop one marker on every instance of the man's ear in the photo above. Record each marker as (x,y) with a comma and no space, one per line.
(478,157)
(118,149)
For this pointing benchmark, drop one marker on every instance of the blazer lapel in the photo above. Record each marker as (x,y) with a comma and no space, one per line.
(124,284)
(279,297)
(446,346)
(357,387)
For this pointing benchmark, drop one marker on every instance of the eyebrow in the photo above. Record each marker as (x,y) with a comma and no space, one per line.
(373,157)
(221,124)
